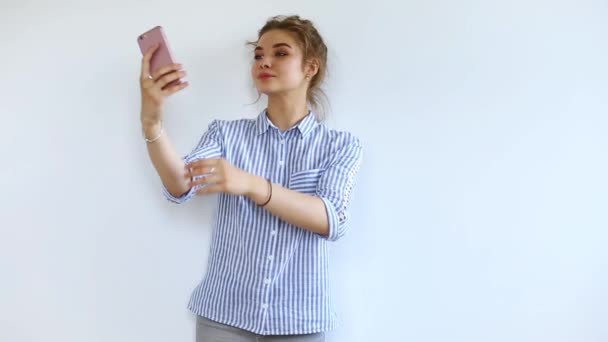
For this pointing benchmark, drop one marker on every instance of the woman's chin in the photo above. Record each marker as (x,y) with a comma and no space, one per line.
(267,90)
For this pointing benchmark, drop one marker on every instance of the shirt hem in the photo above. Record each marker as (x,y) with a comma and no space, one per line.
(331,325)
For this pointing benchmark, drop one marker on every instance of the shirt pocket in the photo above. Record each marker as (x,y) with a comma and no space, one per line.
(305,181)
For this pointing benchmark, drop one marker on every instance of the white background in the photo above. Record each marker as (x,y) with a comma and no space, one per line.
(480,211)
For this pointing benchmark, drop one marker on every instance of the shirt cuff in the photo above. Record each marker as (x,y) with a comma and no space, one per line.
(181,199)
(332,218)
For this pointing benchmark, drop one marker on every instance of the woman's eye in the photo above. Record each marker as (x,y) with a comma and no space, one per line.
(278,54)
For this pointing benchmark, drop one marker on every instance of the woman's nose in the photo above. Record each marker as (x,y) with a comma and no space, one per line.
(264,63)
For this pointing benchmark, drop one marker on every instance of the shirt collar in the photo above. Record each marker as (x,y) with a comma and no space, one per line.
(304,127)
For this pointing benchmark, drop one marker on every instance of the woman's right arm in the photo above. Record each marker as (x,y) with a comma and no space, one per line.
(168,164)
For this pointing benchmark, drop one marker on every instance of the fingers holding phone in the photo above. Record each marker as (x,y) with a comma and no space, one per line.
(168,78)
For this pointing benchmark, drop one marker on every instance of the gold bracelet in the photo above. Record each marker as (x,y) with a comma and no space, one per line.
(155,138)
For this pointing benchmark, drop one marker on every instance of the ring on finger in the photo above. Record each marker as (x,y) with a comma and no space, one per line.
(150,77)
(212,169)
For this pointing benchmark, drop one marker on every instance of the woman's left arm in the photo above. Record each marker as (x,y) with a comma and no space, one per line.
(323,213)
(302,210)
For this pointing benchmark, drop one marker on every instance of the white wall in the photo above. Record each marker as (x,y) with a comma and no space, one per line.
(480,213)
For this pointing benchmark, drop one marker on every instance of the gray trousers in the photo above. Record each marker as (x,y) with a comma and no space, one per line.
(210,331)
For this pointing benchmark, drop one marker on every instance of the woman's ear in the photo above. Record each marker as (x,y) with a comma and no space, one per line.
(312,67)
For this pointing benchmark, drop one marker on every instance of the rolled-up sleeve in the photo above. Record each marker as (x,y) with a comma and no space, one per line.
(337,182)
(209,146)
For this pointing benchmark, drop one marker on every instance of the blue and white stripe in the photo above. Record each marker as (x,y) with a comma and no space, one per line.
(264,274)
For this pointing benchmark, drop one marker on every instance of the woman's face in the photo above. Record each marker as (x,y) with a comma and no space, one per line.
(277,67)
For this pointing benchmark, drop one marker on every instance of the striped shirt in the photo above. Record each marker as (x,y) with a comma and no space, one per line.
(265,275)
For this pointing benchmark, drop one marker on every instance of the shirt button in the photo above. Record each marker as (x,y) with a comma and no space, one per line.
(282,142)
(280,163)
(264,306)
(273,233)
(271,257)
(266,281)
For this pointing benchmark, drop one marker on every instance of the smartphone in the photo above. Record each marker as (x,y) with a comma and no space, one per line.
(163,55)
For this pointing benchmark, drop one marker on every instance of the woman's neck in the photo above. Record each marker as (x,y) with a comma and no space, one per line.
(285,112)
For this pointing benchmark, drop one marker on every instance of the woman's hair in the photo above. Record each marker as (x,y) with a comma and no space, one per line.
(313,47)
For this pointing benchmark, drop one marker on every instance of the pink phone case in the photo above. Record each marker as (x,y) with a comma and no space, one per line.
(163,55)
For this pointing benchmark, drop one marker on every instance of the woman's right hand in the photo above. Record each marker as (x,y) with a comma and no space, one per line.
(152,92)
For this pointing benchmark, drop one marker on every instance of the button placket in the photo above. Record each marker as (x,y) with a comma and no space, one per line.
(269,265)
(281,150)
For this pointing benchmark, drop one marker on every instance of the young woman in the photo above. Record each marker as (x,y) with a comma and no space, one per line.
(284,181)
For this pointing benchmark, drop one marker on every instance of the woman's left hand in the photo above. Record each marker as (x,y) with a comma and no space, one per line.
(219,176)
